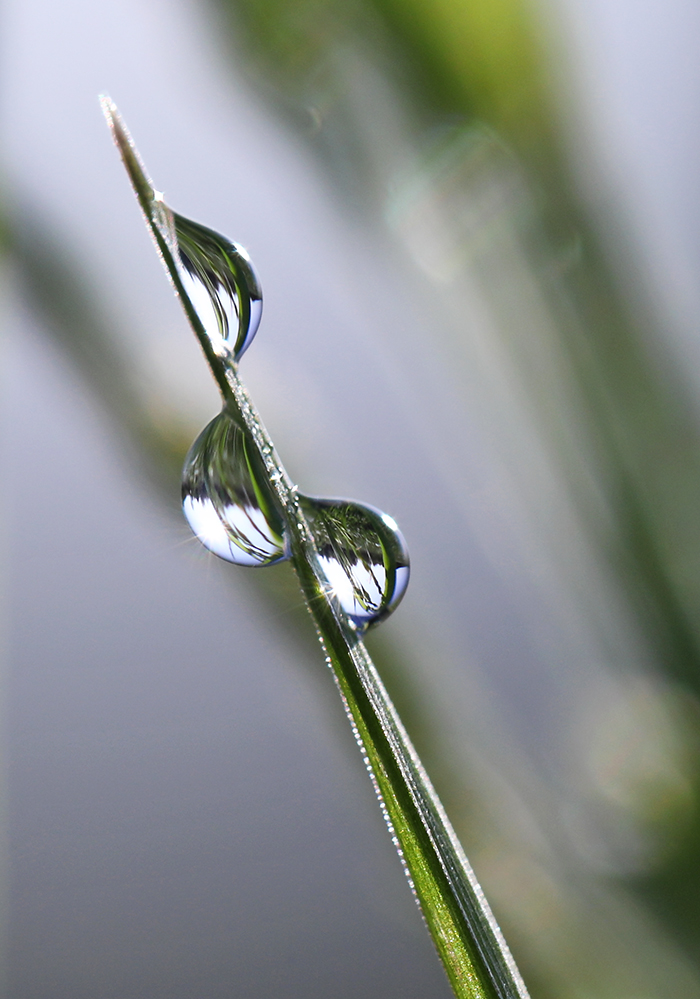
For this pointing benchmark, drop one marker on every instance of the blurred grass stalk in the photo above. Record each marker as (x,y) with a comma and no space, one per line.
(441,117)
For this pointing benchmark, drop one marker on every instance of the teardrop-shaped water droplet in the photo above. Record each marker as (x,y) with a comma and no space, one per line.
(227,499)
(363,555)
(221,284)
(216,274)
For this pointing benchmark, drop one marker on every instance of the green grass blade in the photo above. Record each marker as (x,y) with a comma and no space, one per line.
(469,942)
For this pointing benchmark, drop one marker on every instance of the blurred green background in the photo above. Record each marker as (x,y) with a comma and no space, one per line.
(476,226)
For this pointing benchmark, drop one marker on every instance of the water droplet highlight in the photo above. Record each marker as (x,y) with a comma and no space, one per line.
(221,285)
(226,497)
(363,555)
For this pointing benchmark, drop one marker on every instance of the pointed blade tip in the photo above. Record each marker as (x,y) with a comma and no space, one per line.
(109,109)
(133,163)
(116,122)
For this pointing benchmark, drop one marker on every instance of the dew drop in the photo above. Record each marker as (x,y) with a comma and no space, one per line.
(216,275)
(363,555)
(226,497)
(231,507)
(221,284)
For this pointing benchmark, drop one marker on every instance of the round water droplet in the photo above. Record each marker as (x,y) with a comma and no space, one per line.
(227,500)
(231,507)
(221,284)
(363,555)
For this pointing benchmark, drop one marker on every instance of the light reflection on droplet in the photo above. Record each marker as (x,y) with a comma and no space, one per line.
(363,556)
(211,530)
(227,500)
(221,284)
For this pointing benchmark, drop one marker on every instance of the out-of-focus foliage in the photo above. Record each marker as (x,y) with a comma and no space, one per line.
(482,58)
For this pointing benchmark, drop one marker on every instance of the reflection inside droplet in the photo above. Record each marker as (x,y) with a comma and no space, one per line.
(227,500)
(363,556)
(221,285)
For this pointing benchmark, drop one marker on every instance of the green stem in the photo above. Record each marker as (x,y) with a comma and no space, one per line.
(466,935)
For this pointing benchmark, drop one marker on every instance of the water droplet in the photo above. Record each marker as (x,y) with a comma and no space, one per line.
(231,507)
(221,284)
(363,555)
(227,500)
